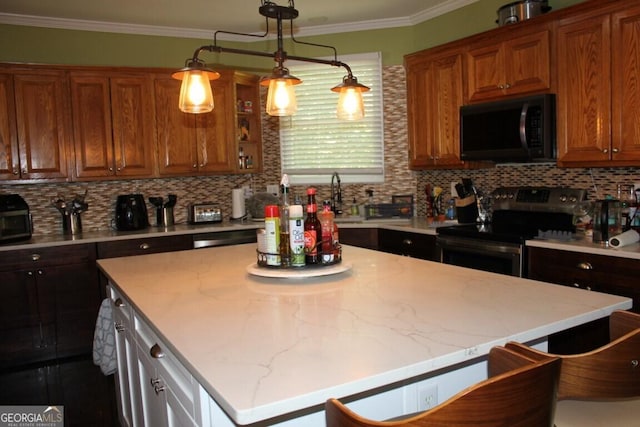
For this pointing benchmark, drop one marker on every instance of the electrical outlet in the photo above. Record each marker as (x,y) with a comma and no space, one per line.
(427,396)
(273,189)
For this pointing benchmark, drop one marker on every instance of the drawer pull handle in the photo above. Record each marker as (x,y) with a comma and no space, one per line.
(119,327)
(156,352)
(144,245)
(407,242)
(634,363)
(118,302)
(35,257)
(157,385)
(585,266)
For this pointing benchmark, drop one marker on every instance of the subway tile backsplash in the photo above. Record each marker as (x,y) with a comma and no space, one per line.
(398,178)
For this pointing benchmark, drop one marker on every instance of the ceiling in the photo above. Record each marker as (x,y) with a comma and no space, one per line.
(199,18)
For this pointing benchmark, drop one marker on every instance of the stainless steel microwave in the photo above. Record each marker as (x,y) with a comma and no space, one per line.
(514,130)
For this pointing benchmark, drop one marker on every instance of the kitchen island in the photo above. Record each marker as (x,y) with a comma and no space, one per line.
(272,350)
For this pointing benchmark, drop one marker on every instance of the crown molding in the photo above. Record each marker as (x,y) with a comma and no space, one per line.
(152,30)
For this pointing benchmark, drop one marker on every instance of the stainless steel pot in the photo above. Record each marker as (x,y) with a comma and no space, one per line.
(521,10)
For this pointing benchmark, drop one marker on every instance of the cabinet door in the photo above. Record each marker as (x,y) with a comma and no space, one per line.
(20,339)
(42,123)
(584,90)
(485,71)
(152,391)
(420,149)
(443,108)
(434,96)
(127,386)
(77,299)
(527,63)
(176,131)
(215,131)
(9,161)
(91,108)
(519,65)
(133,125)
(626,86)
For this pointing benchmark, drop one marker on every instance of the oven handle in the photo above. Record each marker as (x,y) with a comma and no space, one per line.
(478,246)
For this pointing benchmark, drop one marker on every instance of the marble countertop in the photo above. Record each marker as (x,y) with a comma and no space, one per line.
(264,347)
(413,225)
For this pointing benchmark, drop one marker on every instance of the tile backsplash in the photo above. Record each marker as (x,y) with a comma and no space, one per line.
(399,179)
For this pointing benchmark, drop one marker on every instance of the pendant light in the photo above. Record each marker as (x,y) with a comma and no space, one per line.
(196,95)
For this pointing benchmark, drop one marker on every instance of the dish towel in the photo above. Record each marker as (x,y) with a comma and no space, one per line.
(104,340)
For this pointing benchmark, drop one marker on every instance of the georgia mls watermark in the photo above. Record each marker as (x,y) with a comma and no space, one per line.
(32,416)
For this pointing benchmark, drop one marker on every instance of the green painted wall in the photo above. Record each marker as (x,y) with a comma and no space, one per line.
(55,46)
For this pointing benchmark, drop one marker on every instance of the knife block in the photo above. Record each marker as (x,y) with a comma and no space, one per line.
(467,210)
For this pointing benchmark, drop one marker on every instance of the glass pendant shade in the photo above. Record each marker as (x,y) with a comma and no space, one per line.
(196,95)
(281,96)
(350,104)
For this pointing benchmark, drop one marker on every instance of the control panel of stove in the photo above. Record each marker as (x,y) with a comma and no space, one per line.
(542,199)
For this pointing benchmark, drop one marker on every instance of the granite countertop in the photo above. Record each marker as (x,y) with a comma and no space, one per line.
(263,347)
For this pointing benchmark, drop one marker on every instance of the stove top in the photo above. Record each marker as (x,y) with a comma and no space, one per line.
(520,213)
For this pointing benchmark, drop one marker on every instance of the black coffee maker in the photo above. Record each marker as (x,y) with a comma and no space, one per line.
(131,212)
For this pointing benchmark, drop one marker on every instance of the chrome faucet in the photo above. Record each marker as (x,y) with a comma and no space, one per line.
(336,194)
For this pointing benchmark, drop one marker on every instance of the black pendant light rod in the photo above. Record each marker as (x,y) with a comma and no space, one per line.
(273,11)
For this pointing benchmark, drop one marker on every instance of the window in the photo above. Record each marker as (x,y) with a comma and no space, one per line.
(314,143)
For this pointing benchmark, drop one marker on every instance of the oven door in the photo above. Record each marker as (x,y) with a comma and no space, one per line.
(487,255)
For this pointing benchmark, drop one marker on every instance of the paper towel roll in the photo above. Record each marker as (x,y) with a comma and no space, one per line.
(627,238)
(237,202)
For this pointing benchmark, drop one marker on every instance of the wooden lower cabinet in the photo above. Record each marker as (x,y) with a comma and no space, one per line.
(591,272)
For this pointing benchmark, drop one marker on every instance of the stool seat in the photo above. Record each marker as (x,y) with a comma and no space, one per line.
(581,413)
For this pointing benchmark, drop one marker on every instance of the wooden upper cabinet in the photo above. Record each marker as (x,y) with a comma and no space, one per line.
(584,89)
(43,127)
(9,160)
(191,144)
(113,123)
(434,97)
(518,65)
(598,89)
(626,87)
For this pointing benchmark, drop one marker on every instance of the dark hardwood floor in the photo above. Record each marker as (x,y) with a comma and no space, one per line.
(87,395)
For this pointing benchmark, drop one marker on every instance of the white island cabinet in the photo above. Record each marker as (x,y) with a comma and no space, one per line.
(232,348)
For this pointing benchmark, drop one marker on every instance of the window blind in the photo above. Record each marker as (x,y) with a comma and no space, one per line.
(314,143)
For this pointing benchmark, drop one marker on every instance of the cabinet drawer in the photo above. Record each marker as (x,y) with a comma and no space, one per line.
(144,246)
(415,245)
(362,237)
(47,257)
(121,306)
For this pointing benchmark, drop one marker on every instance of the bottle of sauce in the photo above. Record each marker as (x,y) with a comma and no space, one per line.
(312,229)
(272,234)
(296,236)
(285,246)
(326,217)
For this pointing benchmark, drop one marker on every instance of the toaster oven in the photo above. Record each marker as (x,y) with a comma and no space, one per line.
(15,219)
(204,213)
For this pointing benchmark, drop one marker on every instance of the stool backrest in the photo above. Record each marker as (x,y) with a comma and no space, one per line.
(523,394)
(609,372)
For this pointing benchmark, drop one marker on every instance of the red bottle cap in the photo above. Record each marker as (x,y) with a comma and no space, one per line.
(311,191)
(271,211)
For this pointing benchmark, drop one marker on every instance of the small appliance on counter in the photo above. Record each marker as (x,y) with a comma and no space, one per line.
(204,213)
(164,210)
(15,219)
(131,212)
(517,11)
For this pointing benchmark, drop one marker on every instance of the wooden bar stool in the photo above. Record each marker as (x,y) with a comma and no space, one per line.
(600,387)
(519,393)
